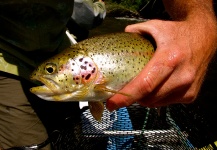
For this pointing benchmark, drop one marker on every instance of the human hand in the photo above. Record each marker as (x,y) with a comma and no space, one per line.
(177,69)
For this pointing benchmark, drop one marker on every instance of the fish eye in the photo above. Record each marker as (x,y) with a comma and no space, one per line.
(50,68)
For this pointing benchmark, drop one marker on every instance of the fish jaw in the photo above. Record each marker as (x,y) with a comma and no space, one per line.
(48,91)
(49,84)
(43,92)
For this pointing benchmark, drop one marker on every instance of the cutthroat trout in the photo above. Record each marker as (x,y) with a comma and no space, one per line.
(93,70)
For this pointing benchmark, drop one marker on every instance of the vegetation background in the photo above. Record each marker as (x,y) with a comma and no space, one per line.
(130,4)
(148,9)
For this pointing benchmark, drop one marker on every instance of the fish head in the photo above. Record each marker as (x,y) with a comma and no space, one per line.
(61,75)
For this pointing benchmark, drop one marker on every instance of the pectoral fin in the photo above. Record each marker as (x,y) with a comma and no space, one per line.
(96,109)
(103,88)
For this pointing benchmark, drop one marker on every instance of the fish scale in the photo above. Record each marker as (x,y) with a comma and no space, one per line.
(93,70)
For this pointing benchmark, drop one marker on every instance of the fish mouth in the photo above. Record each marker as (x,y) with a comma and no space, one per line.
(49,91)
(44,93)
(50,87)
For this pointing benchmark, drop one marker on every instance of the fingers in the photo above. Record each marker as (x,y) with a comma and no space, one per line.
(149,78)
(164,96)
(178,96)
(158,85)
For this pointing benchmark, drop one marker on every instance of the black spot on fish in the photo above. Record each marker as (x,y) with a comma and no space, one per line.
(94,69)
(81,59)
(85,62)
(73,78)
(73,64)
(82,76)
(77,78)
(83,67)
(72,69)
(88,76)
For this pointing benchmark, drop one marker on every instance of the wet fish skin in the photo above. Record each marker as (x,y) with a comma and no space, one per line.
(93,70)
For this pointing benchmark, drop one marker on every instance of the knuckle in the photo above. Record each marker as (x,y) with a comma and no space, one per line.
(175,57)
(147,85)
(188,77)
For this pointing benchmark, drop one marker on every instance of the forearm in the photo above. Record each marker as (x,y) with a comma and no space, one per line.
(181,10)
(199,15)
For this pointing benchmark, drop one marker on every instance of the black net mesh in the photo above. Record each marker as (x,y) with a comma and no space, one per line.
(135,127)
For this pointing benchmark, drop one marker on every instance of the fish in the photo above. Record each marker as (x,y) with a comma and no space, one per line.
(93,70)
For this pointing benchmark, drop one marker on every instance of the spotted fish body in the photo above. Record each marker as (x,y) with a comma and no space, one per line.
(93,70)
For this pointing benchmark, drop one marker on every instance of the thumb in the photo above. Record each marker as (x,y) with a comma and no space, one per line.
(150,27)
